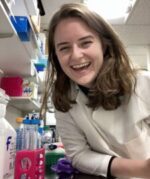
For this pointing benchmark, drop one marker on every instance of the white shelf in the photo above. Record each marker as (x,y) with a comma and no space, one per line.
(32,7)
(5,29)
(24,104)
(19,9)
(16,59)
(14,56)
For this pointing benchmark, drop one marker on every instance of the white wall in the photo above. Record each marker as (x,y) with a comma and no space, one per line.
(140,55)
(11,115)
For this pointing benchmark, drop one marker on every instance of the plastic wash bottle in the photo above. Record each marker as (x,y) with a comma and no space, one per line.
(7,141)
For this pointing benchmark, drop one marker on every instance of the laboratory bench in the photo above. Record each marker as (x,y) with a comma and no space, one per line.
(76,176)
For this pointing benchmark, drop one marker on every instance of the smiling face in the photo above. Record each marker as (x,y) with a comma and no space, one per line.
(79,51)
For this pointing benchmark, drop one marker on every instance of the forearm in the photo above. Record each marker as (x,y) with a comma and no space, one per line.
(122,167)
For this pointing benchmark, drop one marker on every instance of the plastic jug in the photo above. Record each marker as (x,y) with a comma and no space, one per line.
(7,141)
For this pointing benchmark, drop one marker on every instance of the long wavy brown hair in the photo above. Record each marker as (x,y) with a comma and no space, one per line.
(116,77)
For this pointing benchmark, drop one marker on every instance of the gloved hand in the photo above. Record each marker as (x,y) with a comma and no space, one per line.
(64,168)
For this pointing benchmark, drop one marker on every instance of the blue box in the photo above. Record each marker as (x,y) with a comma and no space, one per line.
(22,27)
(39,67)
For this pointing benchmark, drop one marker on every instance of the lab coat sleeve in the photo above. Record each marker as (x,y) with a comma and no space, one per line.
(77,148)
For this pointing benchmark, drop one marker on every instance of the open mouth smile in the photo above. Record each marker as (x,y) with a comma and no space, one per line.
(81,66)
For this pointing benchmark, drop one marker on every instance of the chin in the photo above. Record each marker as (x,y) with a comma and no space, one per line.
(85,83)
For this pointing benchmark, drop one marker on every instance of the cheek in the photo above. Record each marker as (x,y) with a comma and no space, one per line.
(63,63)
(60,60)
(98,61)
(98,57)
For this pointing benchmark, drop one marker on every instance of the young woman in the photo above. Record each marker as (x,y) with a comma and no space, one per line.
(102,104)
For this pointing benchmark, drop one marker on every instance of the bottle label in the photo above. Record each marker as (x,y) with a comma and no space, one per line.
(10,150)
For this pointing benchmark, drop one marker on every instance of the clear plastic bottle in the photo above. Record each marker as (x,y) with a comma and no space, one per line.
(30,132)
(26,134)
(19,131)
(34,134)
(40,133)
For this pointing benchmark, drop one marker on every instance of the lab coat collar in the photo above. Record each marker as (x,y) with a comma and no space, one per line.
(77,94)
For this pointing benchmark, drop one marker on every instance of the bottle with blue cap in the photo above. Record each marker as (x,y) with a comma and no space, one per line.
(31,134)
(26,133)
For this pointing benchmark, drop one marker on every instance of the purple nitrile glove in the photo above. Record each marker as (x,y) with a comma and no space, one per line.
(64,168)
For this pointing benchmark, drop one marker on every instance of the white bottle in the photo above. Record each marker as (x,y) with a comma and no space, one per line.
(7,142)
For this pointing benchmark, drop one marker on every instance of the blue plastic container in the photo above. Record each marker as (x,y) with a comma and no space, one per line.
(43,61)
(39,67)
(22,27)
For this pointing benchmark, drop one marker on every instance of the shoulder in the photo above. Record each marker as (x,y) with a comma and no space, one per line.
(63,118)
(61,115)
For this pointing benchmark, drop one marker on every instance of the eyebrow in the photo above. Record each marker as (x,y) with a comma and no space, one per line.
(86,37)
(82,38)
(61,44)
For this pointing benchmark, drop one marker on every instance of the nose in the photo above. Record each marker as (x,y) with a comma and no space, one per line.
(77,52)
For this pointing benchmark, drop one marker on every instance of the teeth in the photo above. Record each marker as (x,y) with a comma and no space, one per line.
(80,65)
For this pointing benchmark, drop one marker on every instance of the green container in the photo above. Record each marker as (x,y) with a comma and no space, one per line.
(51,158)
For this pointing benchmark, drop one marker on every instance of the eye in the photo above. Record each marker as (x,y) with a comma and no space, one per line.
(86,43)
(65,48)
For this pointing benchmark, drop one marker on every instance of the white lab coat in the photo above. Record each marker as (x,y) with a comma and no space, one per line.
(92,137)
